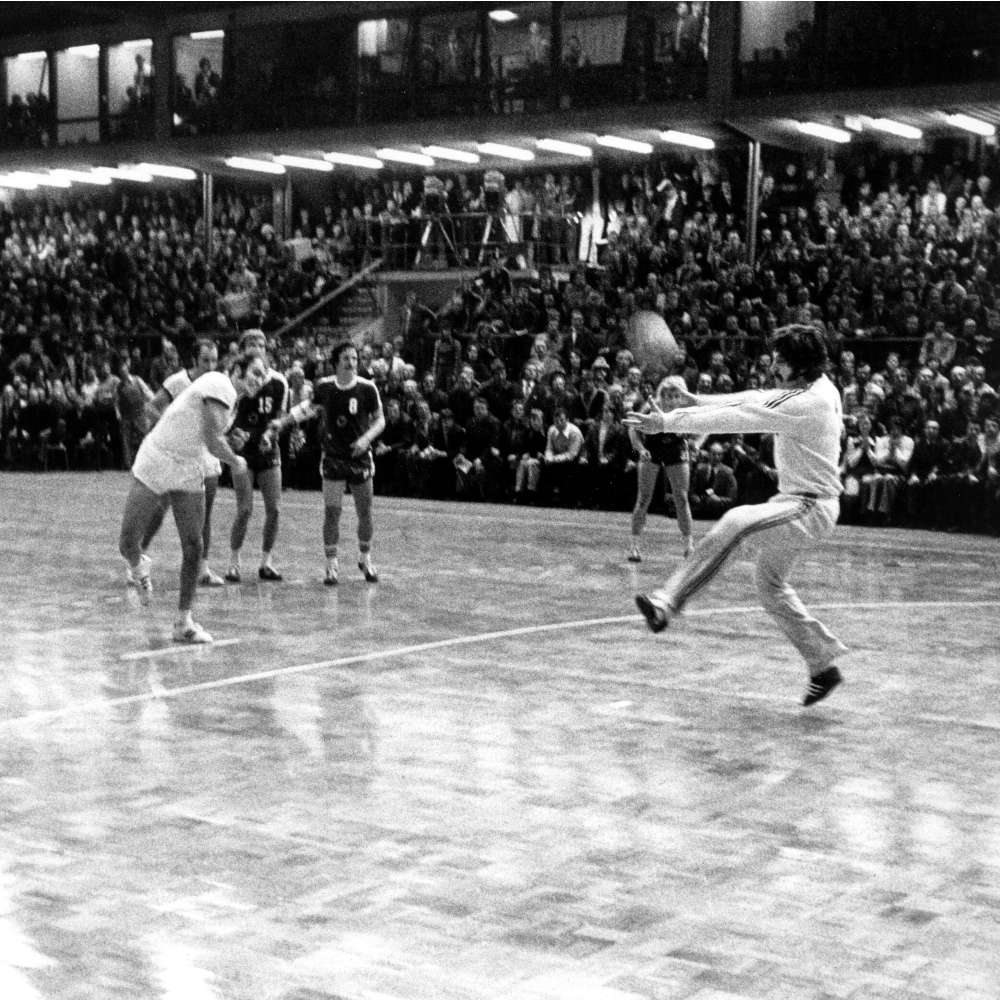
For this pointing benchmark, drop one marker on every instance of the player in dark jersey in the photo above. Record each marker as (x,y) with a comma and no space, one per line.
(251,437)
(669,452)
(350,415)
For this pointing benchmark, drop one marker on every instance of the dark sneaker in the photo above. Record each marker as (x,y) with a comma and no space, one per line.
(821,685)
(367,567)
(656,617)
(269,573)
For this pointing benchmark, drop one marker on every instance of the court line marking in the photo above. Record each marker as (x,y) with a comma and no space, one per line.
(162,694)
(938,546)
(178,649)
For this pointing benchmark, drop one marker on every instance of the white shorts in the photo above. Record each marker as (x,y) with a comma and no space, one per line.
(163,472)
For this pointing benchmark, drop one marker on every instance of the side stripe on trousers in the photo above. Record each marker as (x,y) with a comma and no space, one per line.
(804,506)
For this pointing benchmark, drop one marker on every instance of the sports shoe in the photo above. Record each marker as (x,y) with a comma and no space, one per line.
(270,574)
(633,553)
(367,567)
(140,578)
(192,633)
(211,579)
(821,685)
(332,574)
(232,575)
(688,547)
(656,617)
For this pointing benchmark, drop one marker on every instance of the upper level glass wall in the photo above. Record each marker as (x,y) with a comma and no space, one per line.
(28,113)
(198,87)
(130,89)
(798,46)
(78,100)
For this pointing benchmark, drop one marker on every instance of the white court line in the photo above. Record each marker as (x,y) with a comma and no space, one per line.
(938,546)
(178,648)
(462,640)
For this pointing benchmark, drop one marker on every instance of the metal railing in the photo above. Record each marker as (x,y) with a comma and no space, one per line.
(353,281)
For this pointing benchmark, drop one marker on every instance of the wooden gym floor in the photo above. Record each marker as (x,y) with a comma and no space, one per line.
(483,778)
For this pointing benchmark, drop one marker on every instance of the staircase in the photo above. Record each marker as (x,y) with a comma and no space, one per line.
(359,314)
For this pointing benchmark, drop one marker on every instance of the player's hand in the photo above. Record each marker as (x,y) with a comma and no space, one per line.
(238,439)
(359,447)
(645,423)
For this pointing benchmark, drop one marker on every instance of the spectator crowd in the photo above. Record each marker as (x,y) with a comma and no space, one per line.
(514,388)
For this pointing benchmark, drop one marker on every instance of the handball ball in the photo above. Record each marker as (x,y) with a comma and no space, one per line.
(651,342)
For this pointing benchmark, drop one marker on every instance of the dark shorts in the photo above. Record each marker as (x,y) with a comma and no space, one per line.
(353,471)
(262,461)
(668,450)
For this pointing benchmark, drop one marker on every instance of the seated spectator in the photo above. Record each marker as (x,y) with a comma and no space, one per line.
(713,486)
(890,458)
(926,477)
(526,453)
(392,445)
(989,476)
(479,475)
(961,493)
(563,444)
(606,450)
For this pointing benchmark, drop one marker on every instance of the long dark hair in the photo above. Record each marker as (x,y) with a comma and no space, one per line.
(803,349)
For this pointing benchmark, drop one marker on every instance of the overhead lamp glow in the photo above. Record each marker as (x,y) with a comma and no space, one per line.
(567,148)
(125,174)
(447,153)
(138,43)
(828,132)
(10,181)
(30,56)
(629,145)
(82,176)
(405,156)
(891,127)
(687,139)
(249,163)
(87,51)
(204,36)
(304,163)
(503,16)
(166,170)
(509,152)
(970,124)
(40,180)
(351,160)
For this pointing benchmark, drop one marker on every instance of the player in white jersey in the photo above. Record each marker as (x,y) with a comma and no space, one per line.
(805,417)
(206,359)
(172,462)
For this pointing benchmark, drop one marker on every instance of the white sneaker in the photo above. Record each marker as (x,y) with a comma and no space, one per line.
(193,633)
(140,578)
(367,567)
(332,573)
(633,553)
(211,579)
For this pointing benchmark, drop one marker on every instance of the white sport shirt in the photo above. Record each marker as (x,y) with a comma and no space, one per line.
(807,423)
(179,431)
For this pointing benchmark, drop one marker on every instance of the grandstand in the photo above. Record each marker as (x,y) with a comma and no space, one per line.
(461,782)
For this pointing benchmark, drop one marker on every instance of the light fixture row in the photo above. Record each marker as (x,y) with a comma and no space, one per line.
(889,126)
(93,50)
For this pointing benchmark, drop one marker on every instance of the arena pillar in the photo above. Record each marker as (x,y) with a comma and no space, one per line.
(753,199)
(207,198)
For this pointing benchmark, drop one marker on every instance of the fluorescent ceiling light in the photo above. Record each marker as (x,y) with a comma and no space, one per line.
(10,181)
(447,153)
(966,122)
(629,145)
(510,152)
(894,128)
(82,176)
(405,156)
(687,139)
(250,163)
(125,174)
(165,170)
(304,162)
(40,180)
(88,51)
(569,148)
(827,132)
(138,43)
(503,16)
(350,160)
(30,56)
(200,36)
